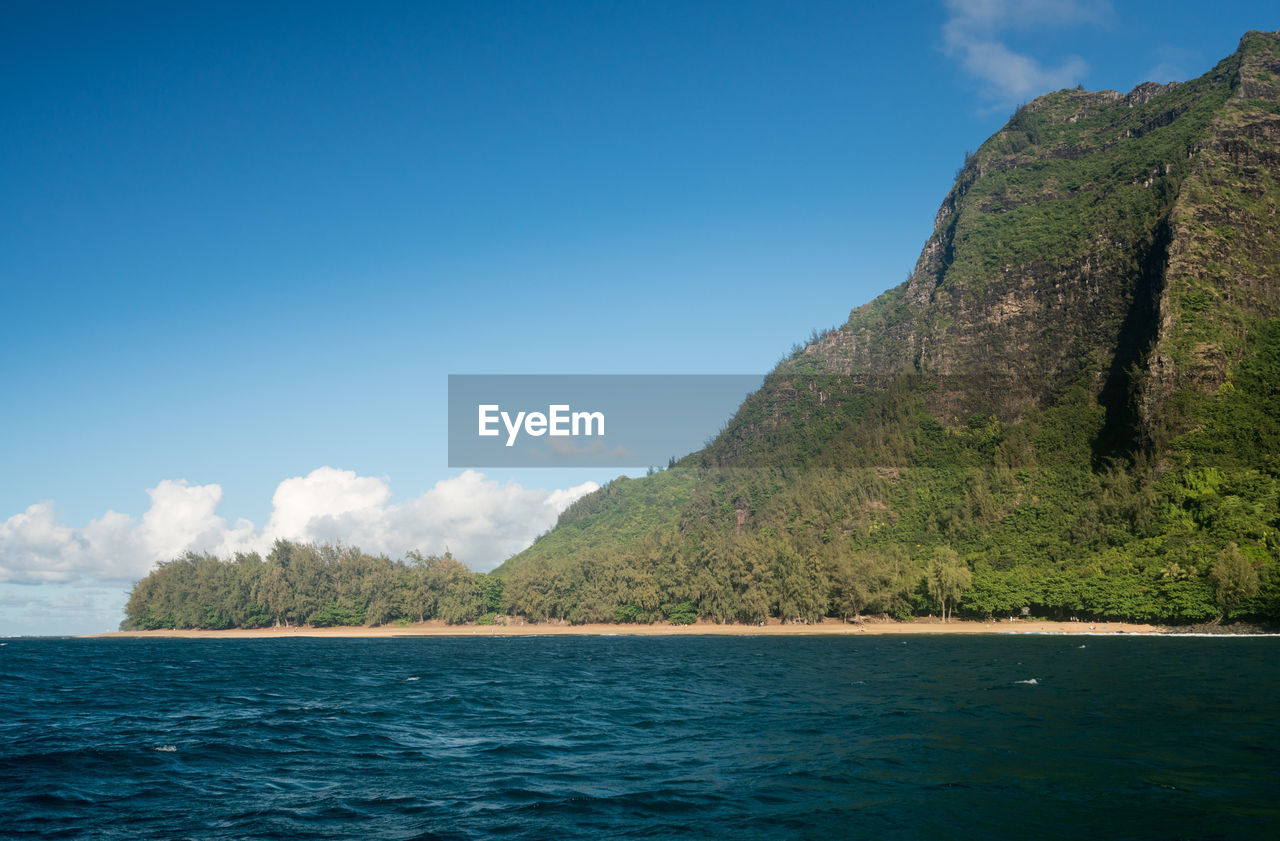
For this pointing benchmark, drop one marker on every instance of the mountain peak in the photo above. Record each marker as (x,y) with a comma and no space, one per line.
(1259,58)
(1074,390)
(1258,40)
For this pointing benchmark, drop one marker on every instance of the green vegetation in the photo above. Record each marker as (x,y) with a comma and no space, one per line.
(1069,409)
(946,578)
(300,584)
(1234,579)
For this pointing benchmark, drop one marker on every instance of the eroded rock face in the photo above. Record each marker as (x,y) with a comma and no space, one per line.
(1039,276)
(1076,386)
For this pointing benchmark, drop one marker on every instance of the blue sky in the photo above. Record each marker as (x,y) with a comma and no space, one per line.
(245,243)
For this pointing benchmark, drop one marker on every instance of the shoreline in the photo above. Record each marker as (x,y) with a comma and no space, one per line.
(868,627)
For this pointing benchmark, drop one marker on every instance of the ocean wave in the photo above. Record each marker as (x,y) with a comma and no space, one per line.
(622,738)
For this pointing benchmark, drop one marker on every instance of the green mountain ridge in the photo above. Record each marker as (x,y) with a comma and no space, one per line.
(1071,401)
(1071,407)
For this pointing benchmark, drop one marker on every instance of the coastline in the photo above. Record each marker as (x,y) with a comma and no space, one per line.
(868,627)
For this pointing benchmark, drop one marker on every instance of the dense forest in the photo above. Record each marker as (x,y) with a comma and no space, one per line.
(987,518)
(308,584)
(1070,408)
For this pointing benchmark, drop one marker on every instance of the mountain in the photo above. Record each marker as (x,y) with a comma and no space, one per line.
(1069,406)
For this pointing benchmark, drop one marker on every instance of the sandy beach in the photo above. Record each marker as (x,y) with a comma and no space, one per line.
(774,628)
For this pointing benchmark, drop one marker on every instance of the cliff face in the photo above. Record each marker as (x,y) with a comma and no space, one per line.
(1117,241)
(1220,275)
(1078,383)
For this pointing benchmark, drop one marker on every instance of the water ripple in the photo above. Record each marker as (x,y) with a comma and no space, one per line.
(620,737)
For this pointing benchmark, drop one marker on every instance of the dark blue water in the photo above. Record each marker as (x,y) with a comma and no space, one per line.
(624,737)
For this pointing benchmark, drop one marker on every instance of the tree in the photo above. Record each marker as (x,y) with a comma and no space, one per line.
(273,592)
(1234,579)
(490,592)
(851,589)
(799,587)
(947,578)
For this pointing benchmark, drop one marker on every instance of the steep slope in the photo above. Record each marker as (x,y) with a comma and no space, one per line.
(1075,390)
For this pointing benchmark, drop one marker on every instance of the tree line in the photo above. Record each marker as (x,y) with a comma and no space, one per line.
(887,512)
(308,584)
(732,579)
(788,523)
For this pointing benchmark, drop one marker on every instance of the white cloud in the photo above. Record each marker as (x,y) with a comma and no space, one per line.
(36,548)
(182,518)
(324,493)
(481,520)
(975,34)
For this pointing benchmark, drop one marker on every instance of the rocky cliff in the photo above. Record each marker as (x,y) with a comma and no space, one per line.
(1118,241)
(1074,392)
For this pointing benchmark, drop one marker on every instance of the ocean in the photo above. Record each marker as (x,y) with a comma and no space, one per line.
(932,737)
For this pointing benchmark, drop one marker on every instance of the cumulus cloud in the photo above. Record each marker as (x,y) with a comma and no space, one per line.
(481,520)
(35,548)
(976,32)
(325,494)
